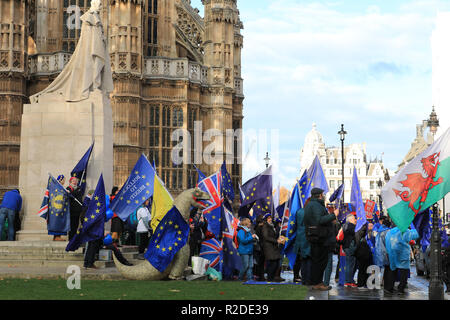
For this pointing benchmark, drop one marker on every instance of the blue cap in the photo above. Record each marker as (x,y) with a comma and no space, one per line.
(60,177)
(266,216)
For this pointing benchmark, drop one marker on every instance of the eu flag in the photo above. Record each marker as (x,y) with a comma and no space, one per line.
(58,214)
(170,236)
(200,175)
(357,202)
(93,225)
(291,233)
(316,177)
(137,189)
(261,207)
(227,185)
(80,170)
(257,188)
(231,258)
(337,194)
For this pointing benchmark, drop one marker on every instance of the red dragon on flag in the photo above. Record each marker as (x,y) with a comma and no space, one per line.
(419,185)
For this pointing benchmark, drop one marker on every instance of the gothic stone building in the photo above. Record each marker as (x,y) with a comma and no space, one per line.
(171,67)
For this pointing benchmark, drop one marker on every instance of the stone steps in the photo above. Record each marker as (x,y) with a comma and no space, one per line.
(49,254)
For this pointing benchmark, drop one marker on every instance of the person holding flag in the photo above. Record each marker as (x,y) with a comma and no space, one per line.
(303,250)
(271,246)
(76,207)
(318,223)
(55,208)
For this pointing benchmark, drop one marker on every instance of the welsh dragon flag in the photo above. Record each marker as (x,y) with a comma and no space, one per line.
(420,184)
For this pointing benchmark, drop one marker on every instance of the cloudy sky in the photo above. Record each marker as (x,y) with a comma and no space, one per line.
(367,64)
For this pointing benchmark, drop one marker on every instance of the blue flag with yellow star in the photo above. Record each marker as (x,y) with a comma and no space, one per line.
(137,189)
(58,214)
(93,225)
(170,236)
(357,202)
(316,177)
(257,188)
(80,170)
(291,233)
(200,175)
(227,184)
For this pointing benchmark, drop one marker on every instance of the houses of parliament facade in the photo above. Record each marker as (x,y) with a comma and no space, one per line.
(171,67)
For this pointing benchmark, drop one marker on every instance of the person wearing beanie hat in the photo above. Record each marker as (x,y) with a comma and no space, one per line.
(319,231)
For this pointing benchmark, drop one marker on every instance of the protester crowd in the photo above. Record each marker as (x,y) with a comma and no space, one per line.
(319,236)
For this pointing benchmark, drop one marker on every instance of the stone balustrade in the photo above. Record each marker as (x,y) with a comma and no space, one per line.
(177,69)
(44,64)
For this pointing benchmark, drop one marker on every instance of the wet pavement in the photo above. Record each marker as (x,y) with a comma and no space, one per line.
(417,289)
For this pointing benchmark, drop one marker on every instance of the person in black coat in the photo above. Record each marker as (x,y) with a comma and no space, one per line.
(349,247)
(317,217)
(271,247)
(258,252)
(198,227)
(76,207)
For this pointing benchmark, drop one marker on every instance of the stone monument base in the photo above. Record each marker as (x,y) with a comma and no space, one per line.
(55,135)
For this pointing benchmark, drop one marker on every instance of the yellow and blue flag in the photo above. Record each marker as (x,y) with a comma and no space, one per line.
(170,236)
(162,202)
(93,225)
(136,190)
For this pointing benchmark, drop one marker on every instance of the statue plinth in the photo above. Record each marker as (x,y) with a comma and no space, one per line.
(55,135)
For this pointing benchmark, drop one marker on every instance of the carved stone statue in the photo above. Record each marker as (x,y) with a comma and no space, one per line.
(89,68)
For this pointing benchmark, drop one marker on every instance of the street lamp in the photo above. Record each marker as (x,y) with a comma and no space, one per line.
(380,206)
(267,159)
(342,134)
(436,288)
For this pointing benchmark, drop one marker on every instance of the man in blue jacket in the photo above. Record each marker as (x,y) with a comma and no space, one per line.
(245,249)
(11,205)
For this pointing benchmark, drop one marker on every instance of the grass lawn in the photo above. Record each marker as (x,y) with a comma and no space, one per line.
(34,289)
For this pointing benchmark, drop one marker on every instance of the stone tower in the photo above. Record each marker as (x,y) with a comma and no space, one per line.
(222,46)
(171,68)
(14,17)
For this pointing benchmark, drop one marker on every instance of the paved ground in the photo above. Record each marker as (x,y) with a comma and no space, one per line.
(417,290)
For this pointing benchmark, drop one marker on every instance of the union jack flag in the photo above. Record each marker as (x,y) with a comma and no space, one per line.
(212,250)
(44,206)
(283,215)
(212,185)
(231,259)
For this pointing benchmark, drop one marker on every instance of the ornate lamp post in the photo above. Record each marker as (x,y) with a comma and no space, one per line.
(342,134)
(436,288)
(267,159)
